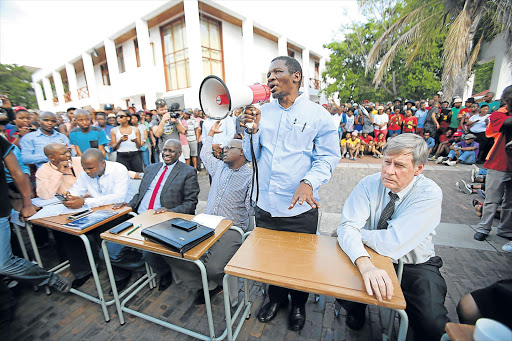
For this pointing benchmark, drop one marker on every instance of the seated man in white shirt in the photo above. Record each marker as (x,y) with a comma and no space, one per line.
(103,183)
(395,213)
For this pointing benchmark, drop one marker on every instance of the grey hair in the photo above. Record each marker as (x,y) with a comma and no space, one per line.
(408,144)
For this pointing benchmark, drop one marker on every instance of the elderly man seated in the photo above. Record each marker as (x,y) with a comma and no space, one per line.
(395,212)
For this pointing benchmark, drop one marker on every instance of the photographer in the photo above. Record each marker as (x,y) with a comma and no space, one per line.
(166,125)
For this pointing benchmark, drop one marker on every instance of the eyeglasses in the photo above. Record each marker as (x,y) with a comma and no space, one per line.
(121,116)
(227,149)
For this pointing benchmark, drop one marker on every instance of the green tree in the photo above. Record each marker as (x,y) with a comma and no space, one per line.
(346,68)
(483,76)
(15,83)
(465,24)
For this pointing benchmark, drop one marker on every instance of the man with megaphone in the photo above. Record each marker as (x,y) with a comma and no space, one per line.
(296,147)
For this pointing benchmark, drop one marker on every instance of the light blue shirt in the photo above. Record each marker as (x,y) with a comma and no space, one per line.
(32,146)
(422,117)
(144,203)
(24,168)
(430,142)
(410,229)
(291,145)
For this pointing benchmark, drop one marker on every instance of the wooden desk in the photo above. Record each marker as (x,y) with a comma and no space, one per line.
(57,223)
(310,263)
(458,332)
(147,219)
(136,240)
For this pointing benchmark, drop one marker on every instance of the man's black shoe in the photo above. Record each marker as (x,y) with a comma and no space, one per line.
(356,317)
(269,311)
(78,282)
(297,318)
(121,285)
(165,281)
(200,295)
(480,236)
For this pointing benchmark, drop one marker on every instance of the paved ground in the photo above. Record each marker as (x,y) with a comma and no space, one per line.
(468,265)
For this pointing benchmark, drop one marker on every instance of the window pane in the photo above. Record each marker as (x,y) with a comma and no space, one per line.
(169,59)
(214,36)
(172,77)
(182,74)
(206,53)
(204,33)
(217,68)
(180,55)
(178,38)
(188,73)
(206,67)
(216,55)
(168,44)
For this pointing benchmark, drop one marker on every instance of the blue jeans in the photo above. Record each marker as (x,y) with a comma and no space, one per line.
(20,268)
(467,157)
(393,132)
(145,157)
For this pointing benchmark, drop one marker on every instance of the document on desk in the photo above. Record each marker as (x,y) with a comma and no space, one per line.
(208,220)
(42,202)
(55,210)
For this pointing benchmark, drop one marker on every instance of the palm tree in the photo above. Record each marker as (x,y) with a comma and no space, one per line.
(465,23)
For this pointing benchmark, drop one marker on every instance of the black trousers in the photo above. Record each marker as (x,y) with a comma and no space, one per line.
(306,222)
(131,160)
(424,290)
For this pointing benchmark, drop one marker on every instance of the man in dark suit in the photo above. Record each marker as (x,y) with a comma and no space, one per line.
(169,186)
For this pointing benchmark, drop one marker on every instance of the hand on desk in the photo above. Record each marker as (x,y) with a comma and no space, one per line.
(118,206)
(73,202)
(27,211)
(161,210)
(376,281)
(304,193)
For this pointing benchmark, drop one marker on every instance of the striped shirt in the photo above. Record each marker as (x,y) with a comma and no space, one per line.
(230,190)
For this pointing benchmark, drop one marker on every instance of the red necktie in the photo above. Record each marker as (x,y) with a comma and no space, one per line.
(155,191)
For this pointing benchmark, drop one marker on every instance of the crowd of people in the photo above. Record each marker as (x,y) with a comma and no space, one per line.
(88,158)
(365,129)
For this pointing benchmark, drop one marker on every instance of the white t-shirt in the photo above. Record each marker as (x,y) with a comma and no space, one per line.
(191,126)
(349,126)
(128,145)
(336,119)
(380,119)
(480,125)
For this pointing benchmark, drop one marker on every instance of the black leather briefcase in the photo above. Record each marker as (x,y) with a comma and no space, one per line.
(176,239)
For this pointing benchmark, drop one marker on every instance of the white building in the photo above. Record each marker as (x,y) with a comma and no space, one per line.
(166,54)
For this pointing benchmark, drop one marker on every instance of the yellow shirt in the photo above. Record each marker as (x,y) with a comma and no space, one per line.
(352,143)
(343,142)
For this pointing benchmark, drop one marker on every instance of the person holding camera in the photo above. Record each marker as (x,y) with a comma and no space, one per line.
(166,125)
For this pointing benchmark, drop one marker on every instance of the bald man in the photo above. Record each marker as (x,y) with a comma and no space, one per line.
(229,196)
(32,144)
(59,173)
(169,186)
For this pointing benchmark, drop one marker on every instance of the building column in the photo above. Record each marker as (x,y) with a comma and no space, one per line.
(193,26)
(249,70)
(282,46)
(305,71)
(39,95)
(73,85)
(59,87)
(145,53)
(321,70)
(48,93)
(502,74)
(91,79)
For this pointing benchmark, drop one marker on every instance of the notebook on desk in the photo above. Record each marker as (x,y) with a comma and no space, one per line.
(176,239)
(91,219)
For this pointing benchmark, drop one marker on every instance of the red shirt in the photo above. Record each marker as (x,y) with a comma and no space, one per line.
(443,138)
(498,159)
(376,139)
(410,128)
(393,121)
(367,139)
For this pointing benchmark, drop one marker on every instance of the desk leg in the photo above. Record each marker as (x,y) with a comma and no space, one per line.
(112,281)
(227,306)
(33,243)
(92,263)
(20,241)
(206,292)
(404,325)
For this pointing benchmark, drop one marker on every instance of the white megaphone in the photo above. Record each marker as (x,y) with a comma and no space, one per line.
(217,101)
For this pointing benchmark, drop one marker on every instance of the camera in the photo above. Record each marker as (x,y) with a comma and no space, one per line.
(174,110)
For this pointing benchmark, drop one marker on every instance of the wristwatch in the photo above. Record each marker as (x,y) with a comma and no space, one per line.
(307,182)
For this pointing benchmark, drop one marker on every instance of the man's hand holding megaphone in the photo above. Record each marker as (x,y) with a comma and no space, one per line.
(251,118)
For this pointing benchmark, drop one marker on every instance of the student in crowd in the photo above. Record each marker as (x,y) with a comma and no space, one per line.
(366,144)
(343,144)
(431,124)
(378,214)
(111,120)
(353,145)
(443,149)
(126,141)
(164,127)
(168,186)
(86,136)
(69,123)
(477,125)
(430,142)
(137,120)
(465,152)
(421,117)
(21,127)
(395,122)
(380,122)
(32,144)
(379,142)
(410,123)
